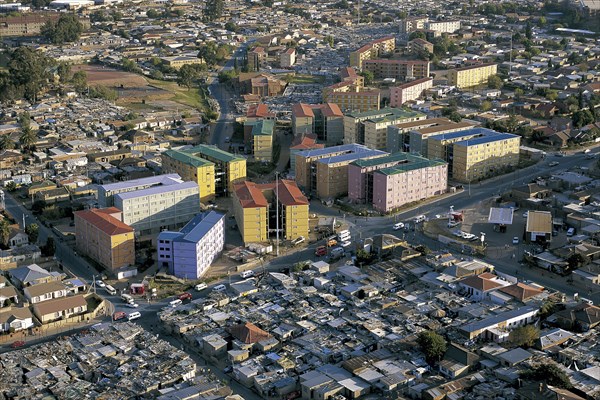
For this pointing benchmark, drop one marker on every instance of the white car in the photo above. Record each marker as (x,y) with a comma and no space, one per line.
(101,284)
(525,214)
(515,240)
(133,305)
(398,226)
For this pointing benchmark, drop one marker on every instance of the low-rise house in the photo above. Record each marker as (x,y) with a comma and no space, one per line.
(60,308)
(497,327)
(31,275)
(479,287)
(582,317)
(45,291)
(8,296)
(15,319)
(552,338)
(539,227)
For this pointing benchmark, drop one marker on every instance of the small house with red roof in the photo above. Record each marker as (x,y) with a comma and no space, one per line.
(480,287)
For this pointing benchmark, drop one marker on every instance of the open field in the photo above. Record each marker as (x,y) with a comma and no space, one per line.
(105,76)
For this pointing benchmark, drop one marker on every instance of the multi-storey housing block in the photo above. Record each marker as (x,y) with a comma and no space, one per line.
(372,50)
(471,76)
(409,91)
(326,121)
(402,70)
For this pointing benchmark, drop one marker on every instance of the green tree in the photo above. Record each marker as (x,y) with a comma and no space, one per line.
(130,66)
(66,29)
(524,336)
(64,71)
(152,14)
(79,81)
(577,260)
(494,82)
(433,345)
(103,92)
(511,124)
(188,75)
(4,232)
(231,26)
(486,105)
(28,72)
(582,118)
(27,137)
(213,9)
(551,374)
(208,53)
(369,77)
(32,230)
(329,40)
(6,143)
(49,248)
(11,186)
(519,93)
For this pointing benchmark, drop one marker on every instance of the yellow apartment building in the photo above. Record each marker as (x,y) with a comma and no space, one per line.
(177,62)
(255,210)
(372,50)
(349,96)
(262,140)
(475,154)
(102,236)
(215,170)
(471,76)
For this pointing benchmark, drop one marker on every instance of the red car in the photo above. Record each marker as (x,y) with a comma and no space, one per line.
(321,251)
(119,315)
(185,296)
(18,343)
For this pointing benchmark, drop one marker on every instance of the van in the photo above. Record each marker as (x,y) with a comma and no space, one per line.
(246,274)
(127,298)
(570,232)
(219,288)
(175,303)
(337,252)
(111,290)
(200,286)
(133,315)
(298,240)
(420,218)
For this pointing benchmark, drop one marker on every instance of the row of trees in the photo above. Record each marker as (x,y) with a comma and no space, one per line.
(66,29)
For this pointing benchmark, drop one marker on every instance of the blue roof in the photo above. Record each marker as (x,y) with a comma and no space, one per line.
(352,156)
(152,180)
(482,135)
(466,132)
(352,147)
(486,139)
(157,190)
(194,230)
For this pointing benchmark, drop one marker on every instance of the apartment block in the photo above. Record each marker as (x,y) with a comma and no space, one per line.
(153,210)
(402,70)
(348,74)
(409,91)
(287,58)
(214,170)
(325,171)
(370,127)
(417,143)
(326,121)
(350,96)
(176,62)
(102,236)
(471,76)
(256,58)
(261,209)
(408,25)
(420,47)
(443,26)
(106,193)
(394,180)
(475,154)
(25,25)
(398,134)
(372,50)
(262,140)
(189,253)
(301,143)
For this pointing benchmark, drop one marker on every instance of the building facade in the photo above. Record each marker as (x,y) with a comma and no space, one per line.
(101,235)
(370,127)
(392,181)
(372,50)
(287,59)
(443,26)
(262,140)
(189,253)
(256,58)
(260,209)
(352,97)
(106,193)
(475,154)
(324,172)
(326,121)
(408,25)
(402,70)
(417,138)
(420,47)
(153,210)
(409,91)
(471,76)
(215,171)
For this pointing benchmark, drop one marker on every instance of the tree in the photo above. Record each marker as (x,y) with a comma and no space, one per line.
(6,143)
(486,105)
(582,118)
(231,26)
(130,66)
(4,232)
(369,76)
(518,93)
(11,186)
(363,257)
(551,374)
(511,124)
(28,137)
(66,29)
(433,345)
(103,92)
(213,9)
(187,75)
(524,336)
(49,248)
(577,260)
(79,81)
(28,72)
(494,82)
(32,230)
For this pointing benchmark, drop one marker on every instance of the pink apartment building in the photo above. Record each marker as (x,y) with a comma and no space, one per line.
(391,181)
(409,91)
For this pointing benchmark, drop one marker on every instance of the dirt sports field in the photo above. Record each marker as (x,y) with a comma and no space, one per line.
(99,75)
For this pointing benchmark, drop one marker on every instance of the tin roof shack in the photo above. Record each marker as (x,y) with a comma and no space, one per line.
(539,227)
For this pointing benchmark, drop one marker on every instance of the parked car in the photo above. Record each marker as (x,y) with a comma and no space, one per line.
(133,305)
(119,315)
(298,240)
(321,251)
(420,218)
(515,240)
(99,283)
(17,344)
(398,226)
(200,286)
(553,164)
(219,288)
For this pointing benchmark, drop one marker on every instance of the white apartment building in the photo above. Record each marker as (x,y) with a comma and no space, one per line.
(443,26)
(106,193)
(189,253)
(157,208)
(409,91)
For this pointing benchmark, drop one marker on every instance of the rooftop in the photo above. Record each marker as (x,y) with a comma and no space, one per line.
(104,220)
(166,179)
(194,230)
(157,190)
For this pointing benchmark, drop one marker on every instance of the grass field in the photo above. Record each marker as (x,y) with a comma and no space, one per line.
(306,79)
(193,97)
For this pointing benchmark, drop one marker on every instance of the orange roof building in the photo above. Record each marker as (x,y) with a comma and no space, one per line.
(102,236)
(324,120)
(522,291)
(249,333)
(479,287)
(255,206)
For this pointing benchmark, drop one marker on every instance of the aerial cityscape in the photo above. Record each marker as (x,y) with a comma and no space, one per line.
(317,200)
